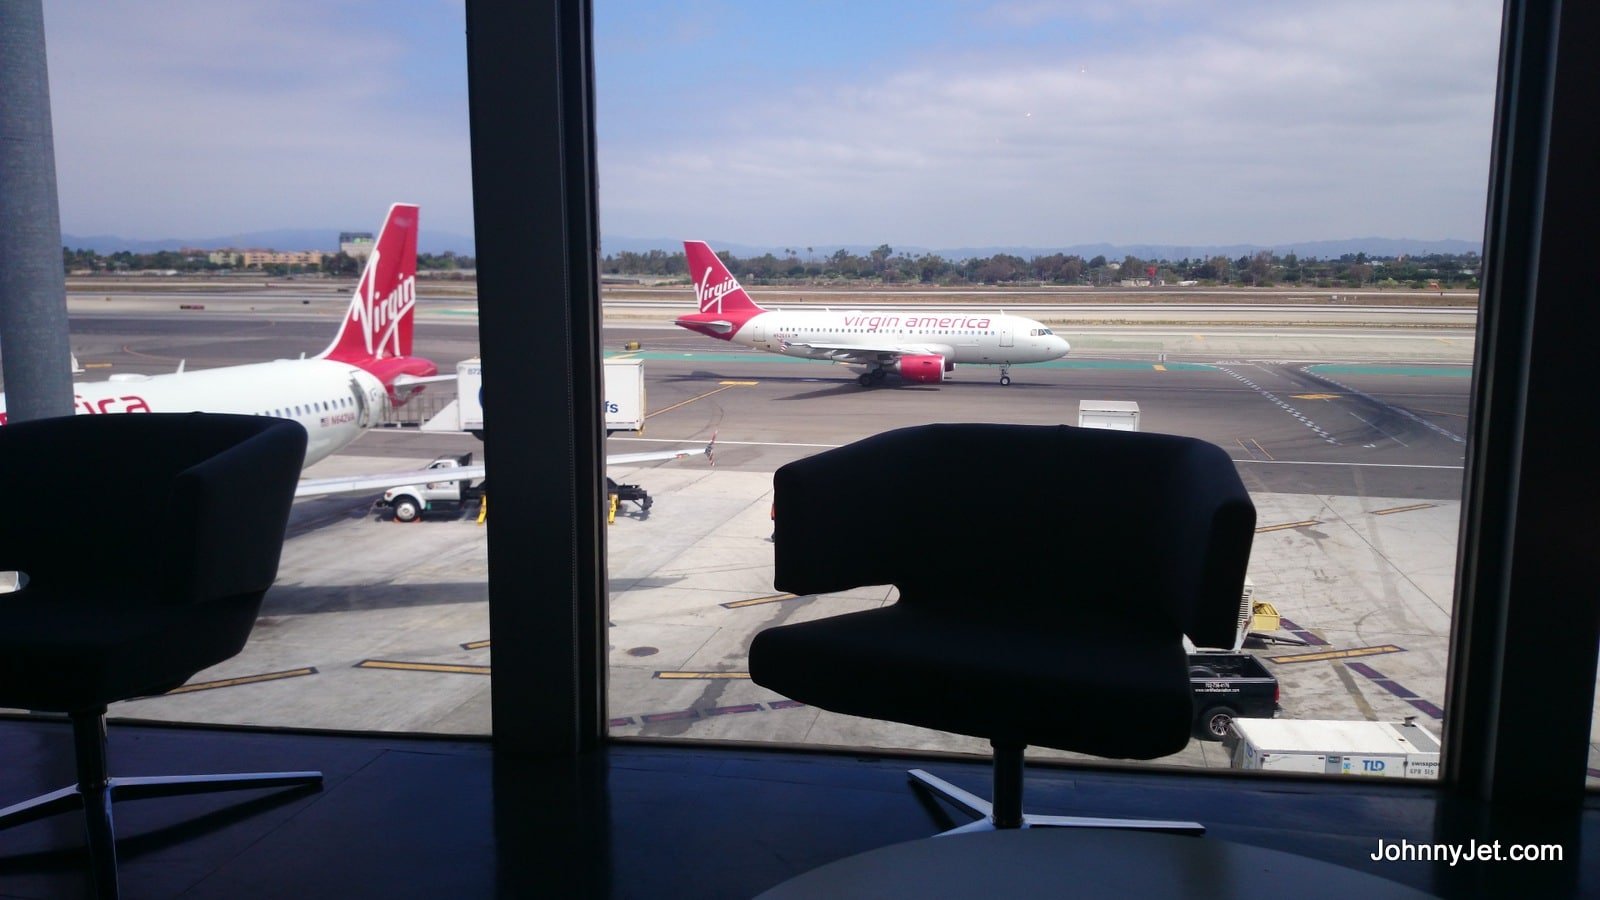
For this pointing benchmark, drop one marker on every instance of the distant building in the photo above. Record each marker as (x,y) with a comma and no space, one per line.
(256,259)
(355,244)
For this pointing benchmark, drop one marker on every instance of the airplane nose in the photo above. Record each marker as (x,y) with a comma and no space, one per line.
(1065,347)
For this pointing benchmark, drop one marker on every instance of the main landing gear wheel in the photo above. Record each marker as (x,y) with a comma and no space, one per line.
(864,379)
(868,379)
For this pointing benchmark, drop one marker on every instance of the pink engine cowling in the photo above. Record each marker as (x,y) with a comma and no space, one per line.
(923,369)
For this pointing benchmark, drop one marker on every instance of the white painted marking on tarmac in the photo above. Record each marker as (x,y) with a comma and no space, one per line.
(723,443)
(1306,462)
(1379,430)
(1401,410)
(1280,404)
(1282,462)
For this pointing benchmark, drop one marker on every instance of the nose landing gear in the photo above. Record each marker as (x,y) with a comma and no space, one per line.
(1005,376)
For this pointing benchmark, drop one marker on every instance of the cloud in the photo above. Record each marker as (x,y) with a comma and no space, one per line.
(192,118)
(1273,125)
(939,123)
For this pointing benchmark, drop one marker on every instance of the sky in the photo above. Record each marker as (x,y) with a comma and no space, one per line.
(938,123)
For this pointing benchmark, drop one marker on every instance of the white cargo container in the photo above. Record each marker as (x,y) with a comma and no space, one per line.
(1117,415)
(623,404)
(469,394)
(1327,747)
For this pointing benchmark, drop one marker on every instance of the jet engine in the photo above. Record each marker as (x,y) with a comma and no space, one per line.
(925,369)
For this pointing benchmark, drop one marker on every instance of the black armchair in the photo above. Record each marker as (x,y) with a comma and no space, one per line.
(1047,576)
(145,543)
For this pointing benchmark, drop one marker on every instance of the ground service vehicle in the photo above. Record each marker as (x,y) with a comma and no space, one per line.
(1228,685)
(1324,747)
(409,502)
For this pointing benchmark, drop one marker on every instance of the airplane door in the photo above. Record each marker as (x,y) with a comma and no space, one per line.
(363,408)
(758,331)
(1005,335)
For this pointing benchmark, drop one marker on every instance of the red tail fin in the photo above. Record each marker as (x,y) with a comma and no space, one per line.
(378,325)
(715,287)
(724,306)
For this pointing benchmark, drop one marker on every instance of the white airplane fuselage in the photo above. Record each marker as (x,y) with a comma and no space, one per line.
(336,402)
(337,394)
(960,337)
(919,345)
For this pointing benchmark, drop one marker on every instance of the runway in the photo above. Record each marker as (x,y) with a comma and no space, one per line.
(1357,411)
(1349,436)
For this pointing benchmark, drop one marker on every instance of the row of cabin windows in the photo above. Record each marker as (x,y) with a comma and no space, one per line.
(892,331)
(310,408)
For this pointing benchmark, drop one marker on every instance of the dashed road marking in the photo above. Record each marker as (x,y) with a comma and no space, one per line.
(452,668)
(1287,525)
(757,601)
(1297,414)
(1400,509)
(242,679)
(1337,654)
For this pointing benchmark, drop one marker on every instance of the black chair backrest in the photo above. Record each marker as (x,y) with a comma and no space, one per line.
(175,507)
(1050,524)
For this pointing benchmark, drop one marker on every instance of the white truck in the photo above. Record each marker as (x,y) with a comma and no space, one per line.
(624,411)
(1327,747)
(623,405)
(407,503)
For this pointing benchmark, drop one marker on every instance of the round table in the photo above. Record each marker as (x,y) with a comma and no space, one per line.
(1082,862)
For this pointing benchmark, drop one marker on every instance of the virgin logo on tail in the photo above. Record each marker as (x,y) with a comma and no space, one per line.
(380,320)
(715,288)
(378,323)
(710,295)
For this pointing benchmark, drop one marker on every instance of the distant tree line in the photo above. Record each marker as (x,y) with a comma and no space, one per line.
(198,262)
(1434,271)
(1265,268)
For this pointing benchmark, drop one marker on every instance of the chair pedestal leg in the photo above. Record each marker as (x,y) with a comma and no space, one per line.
(178,785)
(41,806)
(95,791)
(1006,810)
(1007,785)
(89,750)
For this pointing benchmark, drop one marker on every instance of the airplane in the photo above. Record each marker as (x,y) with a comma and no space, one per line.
(920,346)
(338,394)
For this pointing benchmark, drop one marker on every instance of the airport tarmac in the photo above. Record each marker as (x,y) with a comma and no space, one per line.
(1351,440)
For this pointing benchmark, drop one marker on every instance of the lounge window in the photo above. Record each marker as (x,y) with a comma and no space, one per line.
(1333,445)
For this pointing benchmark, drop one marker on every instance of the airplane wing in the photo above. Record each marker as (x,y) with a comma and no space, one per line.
(623,459)
(318,487)
(407,380)
(861,355)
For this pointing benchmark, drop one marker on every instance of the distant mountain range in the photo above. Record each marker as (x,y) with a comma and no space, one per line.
(1372,246)
(439,242)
